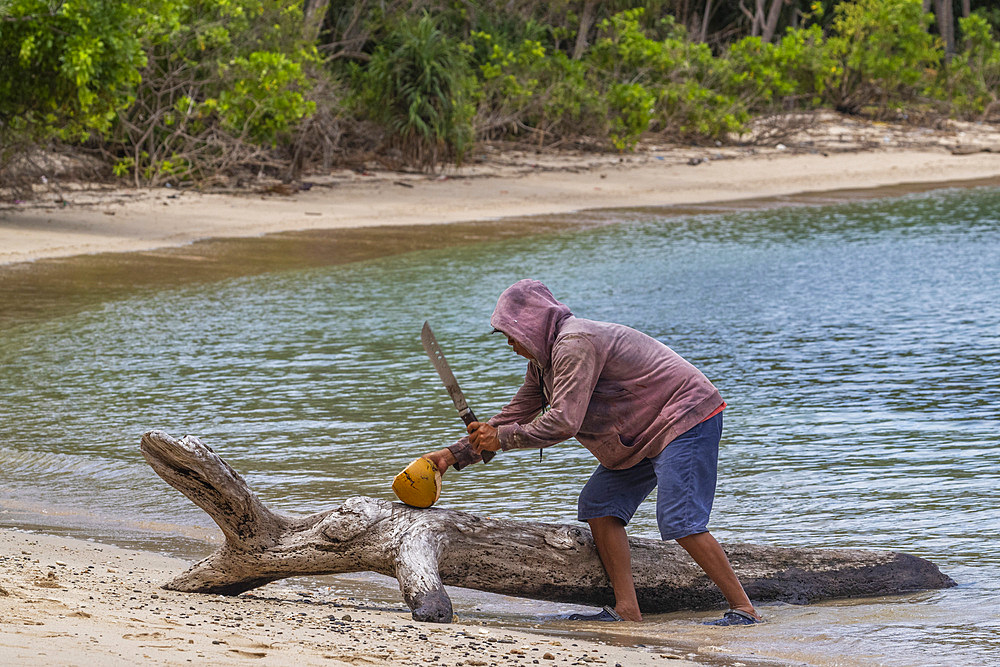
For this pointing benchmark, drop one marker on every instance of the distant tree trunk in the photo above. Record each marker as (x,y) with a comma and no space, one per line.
(706,17)
(946,26)
(966,8)
(681,12)
(586,21)
(772,20)
(757,26)
(315,12)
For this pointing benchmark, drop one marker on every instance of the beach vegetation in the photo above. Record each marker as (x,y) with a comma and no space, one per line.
(970,83)
(882,53)
(223,83)
(529,90)
(66,69)
(418,86)
(670,85)
(208,91)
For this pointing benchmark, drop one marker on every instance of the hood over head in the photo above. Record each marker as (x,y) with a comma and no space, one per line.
(528,313)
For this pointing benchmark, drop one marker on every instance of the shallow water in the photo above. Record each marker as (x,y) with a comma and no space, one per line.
(858,346)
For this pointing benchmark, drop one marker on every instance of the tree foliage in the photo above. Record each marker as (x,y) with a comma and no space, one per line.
(171,90)
(882,51)
(970,83)
(66,67)
(224,81)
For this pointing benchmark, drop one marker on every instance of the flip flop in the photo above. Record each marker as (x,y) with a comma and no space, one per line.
(607,615)
(735,617)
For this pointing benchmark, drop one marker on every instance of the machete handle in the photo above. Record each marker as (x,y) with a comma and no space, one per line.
(468,418)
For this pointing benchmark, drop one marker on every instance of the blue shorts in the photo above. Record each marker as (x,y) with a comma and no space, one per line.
(684,474)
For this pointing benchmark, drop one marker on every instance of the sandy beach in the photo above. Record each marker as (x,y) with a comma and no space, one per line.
(65,601)
(835,154)
(70,602)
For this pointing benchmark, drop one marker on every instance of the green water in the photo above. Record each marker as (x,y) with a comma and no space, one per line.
(858,346)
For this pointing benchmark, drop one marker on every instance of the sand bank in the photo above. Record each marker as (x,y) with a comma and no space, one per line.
(837,154)
(70,602)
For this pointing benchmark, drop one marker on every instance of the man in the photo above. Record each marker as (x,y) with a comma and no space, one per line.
(649,416)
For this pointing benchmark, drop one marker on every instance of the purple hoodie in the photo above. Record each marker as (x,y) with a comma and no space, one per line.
(624,395)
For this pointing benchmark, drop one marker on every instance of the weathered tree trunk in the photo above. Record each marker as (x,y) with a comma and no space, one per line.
(706,17)
(757,26)
(771,26)
(586,22)
(426,549)
(946,26)
(312,23)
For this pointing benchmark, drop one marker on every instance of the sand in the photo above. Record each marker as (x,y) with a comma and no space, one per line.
(65,601)
(834,154)
(70,602)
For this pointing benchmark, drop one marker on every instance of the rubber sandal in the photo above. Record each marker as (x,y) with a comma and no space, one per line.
(607,615)
(735,617)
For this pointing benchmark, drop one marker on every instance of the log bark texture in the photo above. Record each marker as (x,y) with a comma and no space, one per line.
(425,549)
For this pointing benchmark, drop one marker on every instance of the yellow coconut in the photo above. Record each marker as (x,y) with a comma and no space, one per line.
(419,485)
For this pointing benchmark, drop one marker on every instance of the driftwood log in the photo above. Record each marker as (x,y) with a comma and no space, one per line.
(428,548)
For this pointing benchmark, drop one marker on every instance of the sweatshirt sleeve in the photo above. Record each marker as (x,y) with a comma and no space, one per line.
(527,402)
(576,368)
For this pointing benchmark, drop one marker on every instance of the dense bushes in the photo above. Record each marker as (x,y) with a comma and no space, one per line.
(192,89)
(65,69)
(223,81)
(882,52)
(418,86)
(970,83)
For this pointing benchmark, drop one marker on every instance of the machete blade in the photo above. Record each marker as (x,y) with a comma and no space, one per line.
(448,378)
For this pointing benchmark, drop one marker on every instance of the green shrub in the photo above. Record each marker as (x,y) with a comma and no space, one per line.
(970,83)
(225,82)
(265,96)
(526,89)
(66,68)
(418,86)
(633,106)
(883,55)
(787,74)
(688,86)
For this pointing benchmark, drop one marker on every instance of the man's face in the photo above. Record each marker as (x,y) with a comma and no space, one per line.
(519,349)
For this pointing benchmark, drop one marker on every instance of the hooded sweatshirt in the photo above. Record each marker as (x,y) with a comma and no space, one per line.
(622,394)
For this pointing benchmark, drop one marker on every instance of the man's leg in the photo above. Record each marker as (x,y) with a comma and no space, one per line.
(708,554)
(686,473)
(612,545)
(607,503)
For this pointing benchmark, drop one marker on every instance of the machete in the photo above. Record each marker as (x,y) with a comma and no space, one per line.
(450,383)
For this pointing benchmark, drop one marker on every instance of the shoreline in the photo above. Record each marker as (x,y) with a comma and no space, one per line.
(129,221)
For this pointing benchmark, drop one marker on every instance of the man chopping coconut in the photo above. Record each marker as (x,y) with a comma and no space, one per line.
(650,417)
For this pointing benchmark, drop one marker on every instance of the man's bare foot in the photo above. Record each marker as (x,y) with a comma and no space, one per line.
(633,615)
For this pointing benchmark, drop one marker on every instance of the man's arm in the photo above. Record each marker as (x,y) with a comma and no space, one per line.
(576,368)
(527,402)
